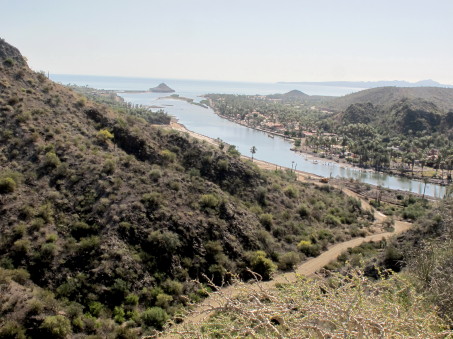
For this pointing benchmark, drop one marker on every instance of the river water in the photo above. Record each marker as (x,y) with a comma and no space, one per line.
(205,121)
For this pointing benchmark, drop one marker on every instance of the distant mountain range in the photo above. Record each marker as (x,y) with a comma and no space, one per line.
(373,84)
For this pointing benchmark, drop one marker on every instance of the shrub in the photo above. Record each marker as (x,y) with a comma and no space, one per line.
(13,330)
(7,185)
(233,151)
(155,174)
(259,263)
(288,261)
(131,299)
(332,220)
(261,193)
(104,135)
(56,326)
(303,211)
(118,314)
(209,201)
(151,201)
(51,159)
(309,249)
(168,156)
(291,192)
(95,308)
(266,220)
(109,167)
(223,164)
(154,317)
(8,62)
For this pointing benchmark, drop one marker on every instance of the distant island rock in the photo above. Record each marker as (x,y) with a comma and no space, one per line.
(162,88)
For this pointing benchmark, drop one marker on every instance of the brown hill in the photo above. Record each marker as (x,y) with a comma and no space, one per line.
(106,220)
(387,96)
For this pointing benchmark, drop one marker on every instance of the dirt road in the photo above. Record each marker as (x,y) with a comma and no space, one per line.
(309,267)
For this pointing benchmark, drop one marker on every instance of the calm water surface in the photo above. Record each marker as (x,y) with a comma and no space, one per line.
(205,121)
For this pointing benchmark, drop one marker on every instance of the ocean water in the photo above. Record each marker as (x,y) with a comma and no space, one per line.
(193,88)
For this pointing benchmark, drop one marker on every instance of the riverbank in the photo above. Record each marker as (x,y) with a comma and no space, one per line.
(301,175)
(327,159)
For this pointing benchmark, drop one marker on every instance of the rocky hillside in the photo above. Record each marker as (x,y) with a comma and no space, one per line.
(105,220)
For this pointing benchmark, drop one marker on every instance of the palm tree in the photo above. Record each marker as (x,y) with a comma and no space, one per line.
(253,151)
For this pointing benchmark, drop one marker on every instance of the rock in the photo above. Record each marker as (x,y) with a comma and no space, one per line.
(162,88)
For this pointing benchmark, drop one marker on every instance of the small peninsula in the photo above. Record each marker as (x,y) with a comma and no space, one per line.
(162,88)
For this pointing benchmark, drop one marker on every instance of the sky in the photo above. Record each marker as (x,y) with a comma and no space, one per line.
(237,40)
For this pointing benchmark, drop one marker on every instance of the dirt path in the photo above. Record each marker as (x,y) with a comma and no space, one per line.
(207,307)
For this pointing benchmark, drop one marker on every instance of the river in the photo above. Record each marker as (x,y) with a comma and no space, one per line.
(275,150)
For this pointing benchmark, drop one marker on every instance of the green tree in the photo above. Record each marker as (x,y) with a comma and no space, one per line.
(253,150)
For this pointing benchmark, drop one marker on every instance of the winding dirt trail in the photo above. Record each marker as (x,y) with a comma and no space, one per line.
(218,299)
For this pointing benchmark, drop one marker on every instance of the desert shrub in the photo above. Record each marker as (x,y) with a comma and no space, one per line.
(155,174)
(57,326)
(12,330)
(172,287)
(332,220)
(223,164)
(119,314)
(51,159)
(8,62)
(303,211)
(164,242)
(309,249)
(174,185)
(290,192)
(81,229)
(288,261)
(89,244)
(194,172)
(104,136)
(259,263)
(266,220)
(261,194)
(154,317)
(168,156)
(7,185)
(95,308)
(341,307)
(131,299)
(413,211)
(209,201)
(151,201)
(109,167)
(232,150)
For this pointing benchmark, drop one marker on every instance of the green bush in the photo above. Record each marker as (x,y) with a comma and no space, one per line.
(259,263)
(7,185)
(168,156)
(266,220)
(154,317)
(291,192)
(309,249)
(209,201)
(12,330)
(151,201)
(288,261)
(303,211)
(56,326)
(51,160)
(233,151)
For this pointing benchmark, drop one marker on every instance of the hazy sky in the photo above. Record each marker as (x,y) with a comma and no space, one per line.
(248,40)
